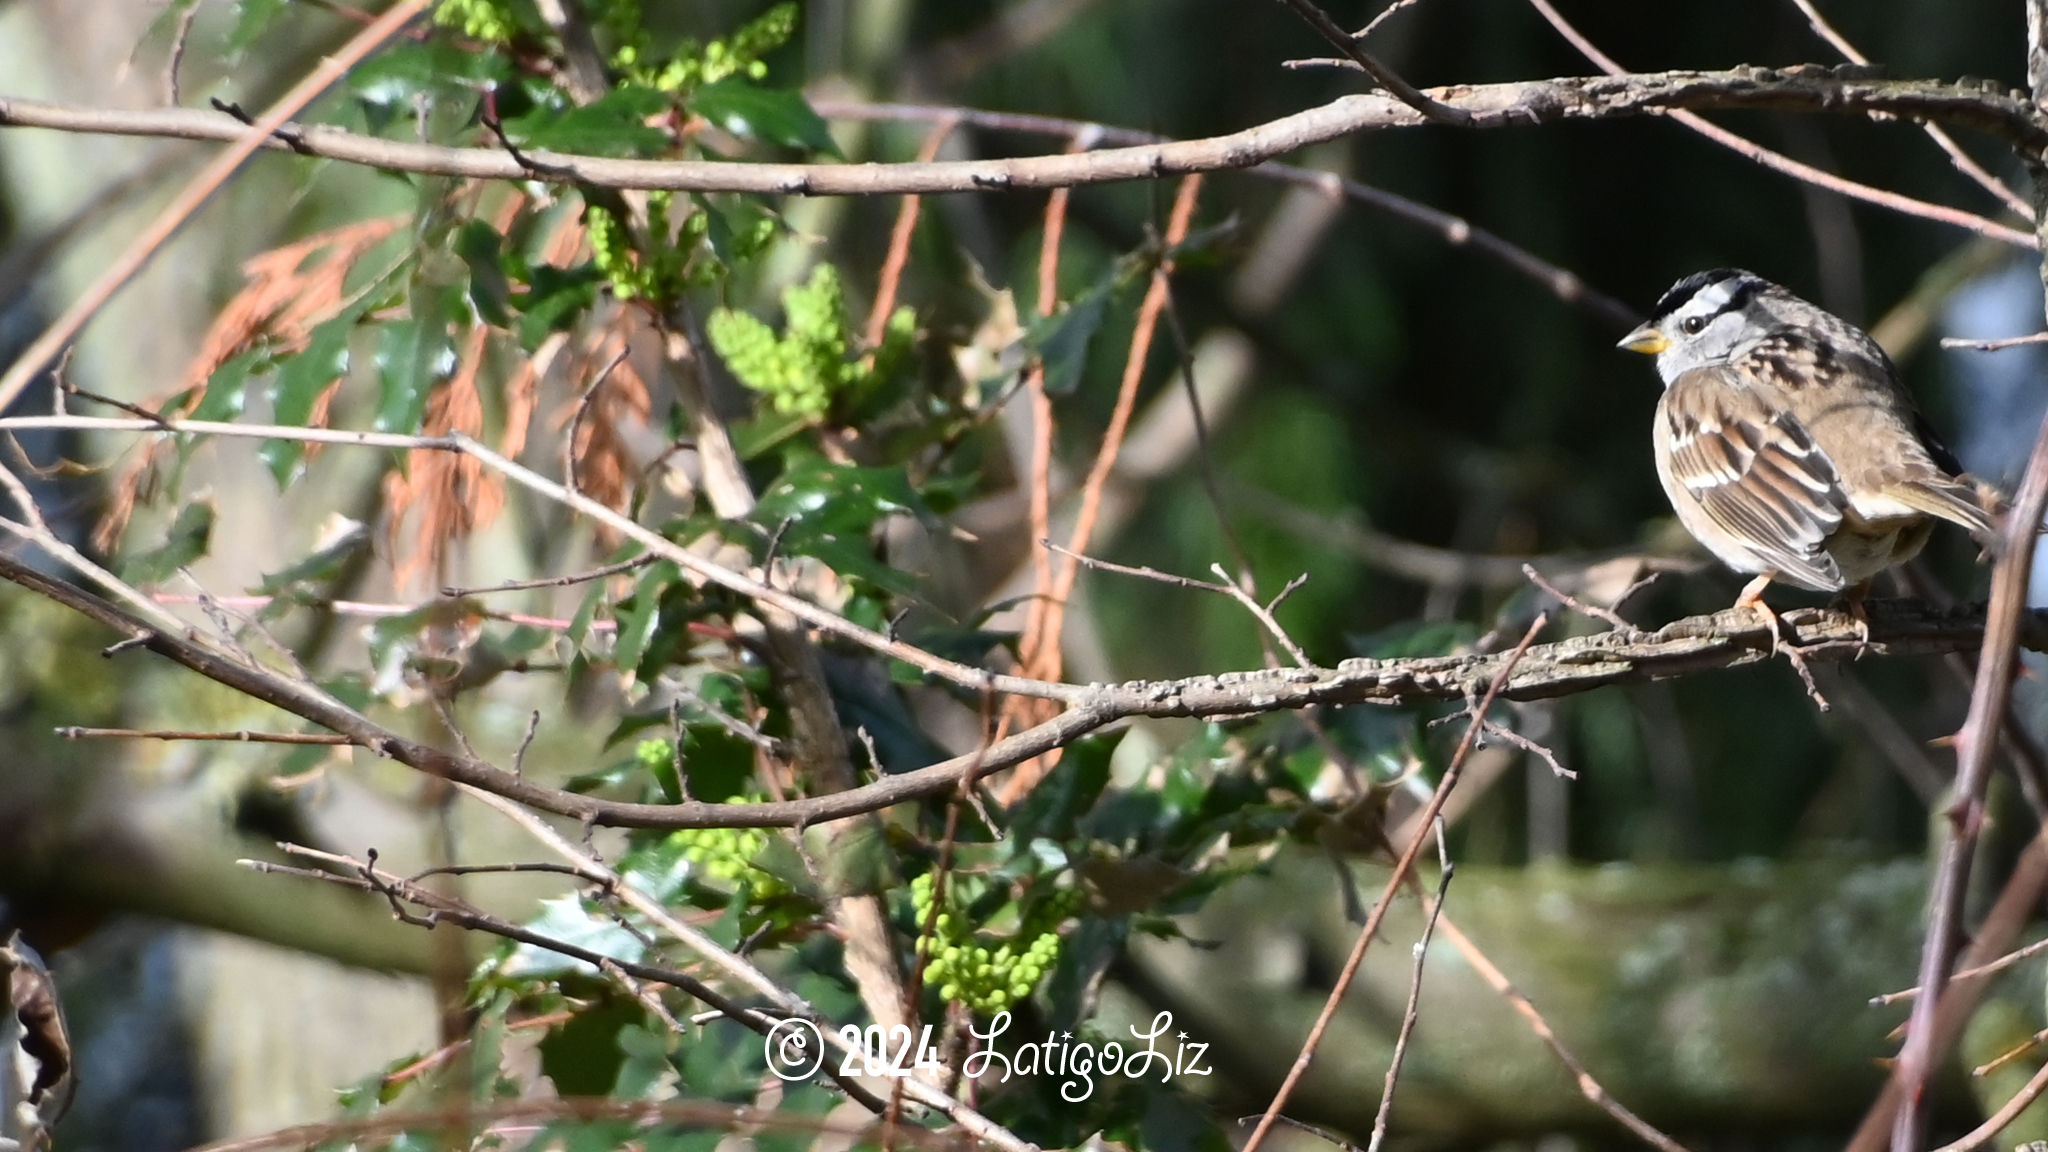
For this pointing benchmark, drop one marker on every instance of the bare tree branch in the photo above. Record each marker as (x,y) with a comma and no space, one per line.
(1807,88)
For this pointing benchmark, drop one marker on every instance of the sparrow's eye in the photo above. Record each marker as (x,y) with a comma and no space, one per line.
(1693,324)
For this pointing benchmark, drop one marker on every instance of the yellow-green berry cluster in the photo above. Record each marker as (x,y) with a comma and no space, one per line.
(485,20)
(965,969)
(725,856)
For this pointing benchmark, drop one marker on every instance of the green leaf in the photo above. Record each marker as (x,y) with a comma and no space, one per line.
(738,227)
(609,777)
(389,82)
(718,763)
(611,126)
(775,115)
(187,540)
(252,19)
(583,1056)
(829,511)
(645,1068)
(558,296)
(639,615)
(481,248)
(750,438)
(323,565)
(415,353)
(1051,809)
(298,387)
(564,919)
(227,389)
(1061,340)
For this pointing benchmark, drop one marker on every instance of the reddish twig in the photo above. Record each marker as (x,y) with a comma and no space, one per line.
(899,242)
(1402,867)
(1588,1086)
(1126,400)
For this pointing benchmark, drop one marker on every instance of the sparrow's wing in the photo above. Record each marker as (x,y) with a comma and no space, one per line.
(1754,471)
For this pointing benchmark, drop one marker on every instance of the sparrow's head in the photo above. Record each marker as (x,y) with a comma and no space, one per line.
(1704,319)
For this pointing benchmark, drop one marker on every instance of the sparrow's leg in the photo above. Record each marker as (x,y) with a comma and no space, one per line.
(1854,605)
(1753,598)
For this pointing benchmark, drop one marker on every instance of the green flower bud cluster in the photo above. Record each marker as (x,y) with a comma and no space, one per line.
(485,20)
(803,369)
(738,55)
(962,966)
(658,276)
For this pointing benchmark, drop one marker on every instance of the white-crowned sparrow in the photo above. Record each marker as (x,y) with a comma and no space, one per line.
(1786,441)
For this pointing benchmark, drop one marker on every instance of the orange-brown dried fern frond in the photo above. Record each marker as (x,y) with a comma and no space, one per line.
(446,495)
(289,293)
(611,394)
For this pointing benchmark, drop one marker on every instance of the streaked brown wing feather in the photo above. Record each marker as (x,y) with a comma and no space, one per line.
(1755,472)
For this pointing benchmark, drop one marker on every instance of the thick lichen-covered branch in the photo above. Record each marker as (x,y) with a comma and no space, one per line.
(1685,647)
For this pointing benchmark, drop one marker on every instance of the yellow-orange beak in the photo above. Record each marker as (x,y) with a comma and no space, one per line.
(1646,340)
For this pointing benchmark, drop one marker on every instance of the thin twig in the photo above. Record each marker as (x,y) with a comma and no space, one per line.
(1454,230)
(2009,1055)
(1222,587)
(1510,736)
(1264,614)
(1402,866)
(1409,1012)
(576,416)
(1962,160)
(1994,345)
(525,743)
(1380,19)
(1977,973)
(1785,164)
(1119,417)
(1999,1120)
(1588,1087)
(1593,610)
(241,737)
(1384,76)
(739,967)
(619,568)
